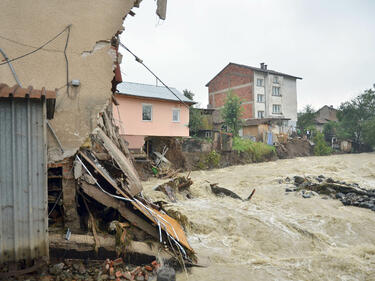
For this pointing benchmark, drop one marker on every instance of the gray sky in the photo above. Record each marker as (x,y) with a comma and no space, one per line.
(331,44)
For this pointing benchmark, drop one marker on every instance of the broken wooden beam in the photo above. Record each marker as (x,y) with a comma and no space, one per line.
(84,243)
(106,200)
(134,183)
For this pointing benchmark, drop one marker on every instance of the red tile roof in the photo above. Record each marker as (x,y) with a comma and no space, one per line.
(18,92)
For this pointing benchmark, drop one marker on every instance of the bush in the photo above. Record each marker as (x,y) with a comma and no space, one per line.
(213,159)
(321,148)
(258,151)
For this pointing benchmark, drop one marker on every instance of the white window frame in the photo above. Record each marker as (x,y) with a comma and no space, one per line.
(260,100)
(276,79)
(179,113)
(146,105)
(276,93)
(274,106)
(262,114)
(260,84)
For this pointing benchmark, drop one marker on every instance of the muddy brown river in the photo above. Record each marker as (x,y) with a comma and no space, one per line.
(279,236)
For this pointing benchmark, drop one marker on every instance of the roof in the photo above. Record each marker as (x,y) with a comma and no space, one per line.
(18,92)
(258,121)
(256,69)
(329,107)
(151,91)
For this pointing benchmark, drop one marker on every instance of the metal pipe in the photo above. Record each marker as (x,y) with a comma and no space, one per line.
(11,67)
(55,136)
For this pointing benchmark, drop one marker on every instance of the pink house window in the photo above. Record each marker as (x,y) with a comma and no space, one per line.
(146,112)
(176,115)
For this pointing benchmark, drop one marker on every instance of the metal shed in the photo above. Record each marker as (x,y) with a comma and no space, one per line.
(23,173)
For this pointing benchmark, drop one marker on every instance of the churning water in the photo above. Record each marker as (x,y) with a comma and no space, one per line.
(279,236)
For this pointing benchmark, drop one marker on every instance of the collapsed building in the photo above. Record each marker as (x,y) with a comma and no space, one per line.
(66,174)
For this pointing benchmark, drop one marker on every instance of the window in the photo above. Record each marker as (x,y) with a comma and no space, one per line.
(260,114)
(276,79)
(146,112)
(276,108)
(260,98)
(176,115)
(260,82)
(276,91)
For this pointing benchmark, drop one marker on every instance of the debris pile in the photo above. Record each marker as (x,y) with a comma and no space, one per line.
(178,184)
(116,269)
(350,194)
(113,210)
(295,147)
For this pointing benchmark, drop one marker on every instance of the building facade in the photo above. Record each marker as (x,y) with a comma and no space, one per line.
(148,110)
(81,49)
(324,115)
(264,93)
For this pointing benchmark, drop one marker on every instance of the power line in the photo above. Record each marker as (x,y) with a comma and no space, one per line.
(29,46)
(141,62)
(37,49)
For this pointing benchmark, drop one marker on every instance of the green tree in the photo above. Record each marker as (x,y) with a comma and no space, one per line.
(195,121)
(306,118)
(356,115)
(189,94)
(195,117)
(232,113)
(321,147)
(369,132)
(329,130)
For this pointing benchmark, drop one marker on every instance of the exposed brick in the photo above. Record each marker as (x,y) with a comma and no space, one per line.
(233,76)
(247,111)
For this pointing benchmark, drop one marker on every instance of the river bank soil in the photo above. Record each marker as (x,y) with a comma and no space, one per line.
(278,235)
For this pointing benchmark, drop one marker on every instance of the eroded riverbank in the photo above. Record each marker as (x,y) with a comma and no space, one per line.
(277,236)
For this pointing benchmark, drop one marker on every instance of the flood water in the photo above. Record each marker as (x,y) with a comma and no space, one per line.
(279,236)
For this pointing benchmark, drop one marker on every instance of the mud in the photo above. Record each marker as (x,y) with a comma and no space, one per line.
(278,235)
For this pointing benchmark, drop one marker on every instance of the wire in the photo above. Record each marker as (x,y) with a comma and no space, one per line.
(66,59)
(11,67)
(141,62)
(37,49)
(29,46)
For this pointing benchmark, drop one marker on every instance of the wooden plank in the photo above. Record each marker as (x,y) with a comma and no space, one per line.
(109,201)
(111,130)
(84,242)
(172,226)
(108,179)
(134,183)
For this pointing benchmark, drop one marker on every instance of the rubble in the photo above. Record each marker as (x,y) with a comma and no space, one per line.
(178,184)
(350,194)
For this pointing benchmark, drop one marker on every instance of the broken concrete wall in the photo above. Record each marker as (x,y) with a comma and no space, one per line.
(26,25)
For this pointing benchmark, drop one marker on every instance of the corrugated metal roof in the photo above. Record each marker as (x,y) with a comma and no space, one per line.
(150,91)
(18,92)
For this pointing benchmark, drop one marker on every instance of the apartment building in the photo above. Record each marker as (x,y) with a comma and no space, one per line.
(264,93)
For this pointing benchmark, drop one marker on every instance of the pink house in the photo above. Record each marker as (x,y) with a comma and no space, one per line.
(148,110)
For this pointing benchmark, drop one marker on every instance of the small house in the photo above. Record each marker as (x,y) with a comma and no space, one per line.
(149,110)
(325,115)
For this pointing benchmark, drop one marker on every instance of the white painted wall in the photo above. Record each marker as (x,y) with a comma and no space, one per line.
(259,106)
(288,99)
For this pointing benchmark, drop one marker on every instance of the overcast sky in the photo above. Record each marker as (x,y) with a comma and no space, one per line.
(331,44)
